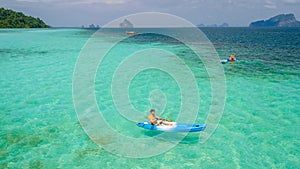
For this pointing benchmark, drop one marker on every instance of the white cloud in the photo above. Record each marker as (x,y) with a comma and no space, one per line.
(291,1)
(26,1)
(115,1)
(62,12)
(110,2)
(269,4)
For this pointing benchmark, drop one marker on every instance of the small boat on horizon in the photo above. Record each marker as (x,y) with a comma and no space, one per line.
(131,32)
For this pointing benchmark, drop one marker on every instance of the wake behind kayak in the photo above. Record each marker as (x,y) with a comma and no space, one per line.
(174,127)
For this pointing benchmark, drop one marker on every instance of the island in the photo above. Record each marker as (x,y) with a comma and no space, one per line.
(12,19)
(126,24)
(282,20)
(223,25)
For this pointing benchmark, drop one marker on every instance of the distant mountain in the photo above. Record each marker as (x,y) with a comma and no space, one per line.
(126,24)
(224,25)
(201,25)
(12,19)
(214,25)
(282,20)
(92,26)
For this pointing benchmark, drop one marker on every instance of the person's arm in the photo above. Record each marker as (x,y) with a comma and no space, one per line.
(151,120)
(159,118)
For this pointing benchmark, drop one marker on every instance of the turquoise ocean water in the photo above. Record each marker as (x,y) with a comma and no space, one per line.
(259,128)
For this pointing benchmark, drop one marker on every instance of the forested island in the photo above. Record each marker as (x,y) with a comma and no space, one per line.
(12,19)
(282,20)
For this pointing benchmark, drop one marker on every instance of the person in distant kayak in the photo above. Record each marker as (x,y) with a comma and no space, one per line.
(232,57)
(155,120)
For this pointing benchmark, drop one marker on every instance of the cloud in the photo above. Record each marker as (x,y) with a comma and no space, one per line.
(79,2)
(115,1)
(290,1)
(34,0)
(269,4)
(78,12)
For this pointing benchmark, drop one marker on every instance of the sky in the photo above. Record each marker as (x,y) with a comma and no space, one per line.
(74,13)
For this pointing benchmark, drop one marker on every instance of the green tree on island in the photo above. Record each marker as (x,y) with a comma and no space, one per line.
(12,19)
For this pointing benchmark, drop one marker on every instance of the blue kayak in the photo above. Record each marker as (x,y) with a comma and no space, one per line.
(223,61)
(174,127)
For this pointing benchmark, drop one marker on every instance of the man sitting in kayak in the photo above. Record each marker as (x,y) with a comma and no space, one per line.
(232,58)
(155,120)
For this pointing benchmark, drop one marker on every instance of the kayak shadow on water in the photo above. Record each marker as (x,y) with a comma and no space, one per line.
(152,133)
(191,138)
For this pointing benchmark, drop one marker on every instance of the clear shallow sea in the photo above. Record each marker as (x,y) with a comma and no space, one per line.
(259,128)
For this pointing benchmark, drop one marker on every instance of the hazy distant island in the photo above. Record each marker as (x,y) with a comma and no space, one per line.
(282,20)
(92,26)
(214,25)
(126,24)
(12,19)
